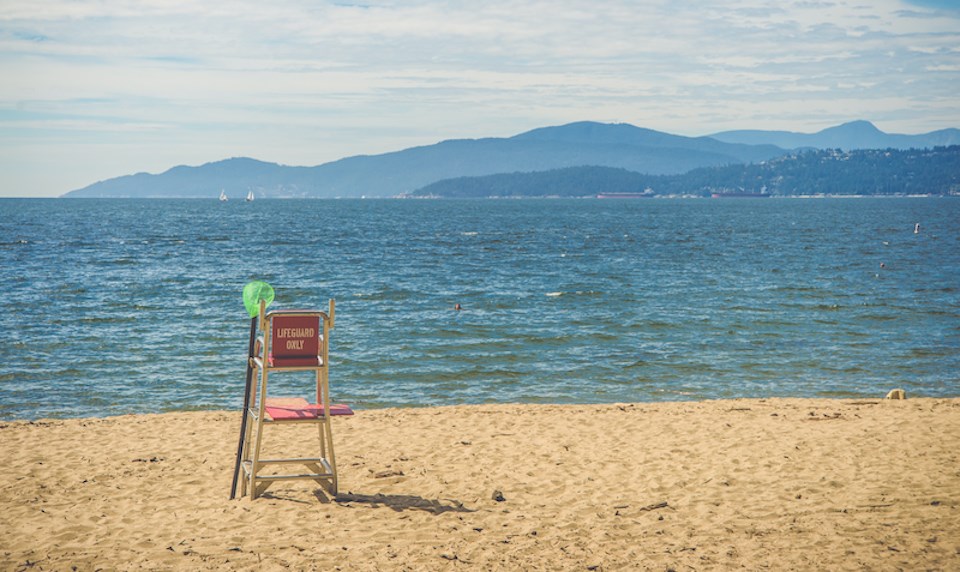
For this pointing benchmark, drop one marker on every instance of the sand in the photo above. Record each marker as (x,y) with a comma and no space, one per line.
(784,484)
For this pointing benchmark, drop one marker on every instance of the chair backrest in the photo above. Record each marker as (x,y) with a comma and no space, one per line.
(295,339)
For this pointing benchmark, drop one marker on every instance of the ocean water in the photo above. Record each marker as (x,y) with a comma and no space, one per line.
(132,306)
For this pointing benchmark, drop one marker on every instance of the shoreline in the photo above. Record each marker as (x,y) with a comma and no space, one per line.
(673,400)
(437,197)
(790,483)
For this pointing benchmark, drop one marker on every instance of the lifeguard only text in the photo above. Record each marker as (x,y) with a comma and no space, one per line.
(294,337)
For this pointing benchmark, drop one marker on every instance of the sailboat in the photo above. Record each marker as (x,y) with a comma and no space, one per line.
(250,196)
(223,196)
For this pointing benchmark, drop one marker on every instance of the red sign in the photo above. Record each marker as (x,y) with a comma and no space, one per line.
(296,336)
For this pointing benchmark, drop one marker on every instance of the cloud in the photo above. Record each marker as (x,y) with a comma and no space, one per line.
(305,82)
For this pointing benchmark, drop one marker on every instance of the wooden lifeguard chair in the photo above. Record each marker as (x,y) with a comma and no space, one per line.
(290,341)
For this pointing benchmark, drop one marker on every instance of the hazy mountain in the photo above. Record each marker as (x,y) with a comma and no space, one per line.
(623,134)
(234,176)
(585,143)
(620,146)
(853,135)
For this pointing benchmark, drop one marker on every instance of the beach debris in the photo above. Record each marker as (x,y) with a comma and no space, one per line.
(897,394)
(813,416)
(498,496)
(875,505)
(654,506)
(388,473)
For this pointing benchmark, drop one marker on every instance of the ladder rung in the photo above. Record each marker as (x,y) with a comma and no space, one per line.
(303,460)
(318,419)
(294,477)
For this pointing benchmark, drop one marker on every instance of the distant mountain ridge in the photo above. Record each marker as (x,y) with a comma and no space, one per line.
(585,143)
(235,176)
(625,134)
(848,136)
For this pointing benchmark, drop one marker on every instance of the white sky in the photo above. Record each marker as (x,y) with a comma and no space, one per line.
(94,89)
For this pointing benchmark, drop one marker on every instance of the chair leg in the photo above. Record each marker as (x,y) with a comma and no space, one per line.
(261,413)
(321,434)
(245,456)
(255,458)
(328,434)
(325,436)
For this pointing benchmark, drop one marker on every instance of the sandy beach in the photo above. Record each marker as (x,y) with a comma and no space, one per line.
(784,484)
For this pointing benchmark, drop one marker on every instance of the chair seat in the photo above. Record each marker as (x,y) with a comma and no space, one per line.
(287,408)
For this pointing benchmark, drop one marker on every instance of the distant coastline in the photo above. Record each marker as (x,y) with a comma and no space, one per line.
(887,172)
(590,197)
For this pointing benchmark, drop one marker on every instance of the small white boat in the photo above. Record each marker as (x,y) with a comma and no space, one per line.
(249,196)
(223,196)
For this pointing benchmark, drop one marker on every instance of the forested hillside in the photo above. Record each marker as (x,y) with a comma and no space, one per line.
(832,172)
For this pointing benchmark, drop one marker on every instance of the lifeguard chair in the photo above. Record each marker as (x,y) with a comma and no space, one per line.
(290,341)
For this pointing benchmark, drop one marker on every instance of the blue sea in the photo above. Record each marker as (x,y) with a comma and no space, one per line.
(132,306)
